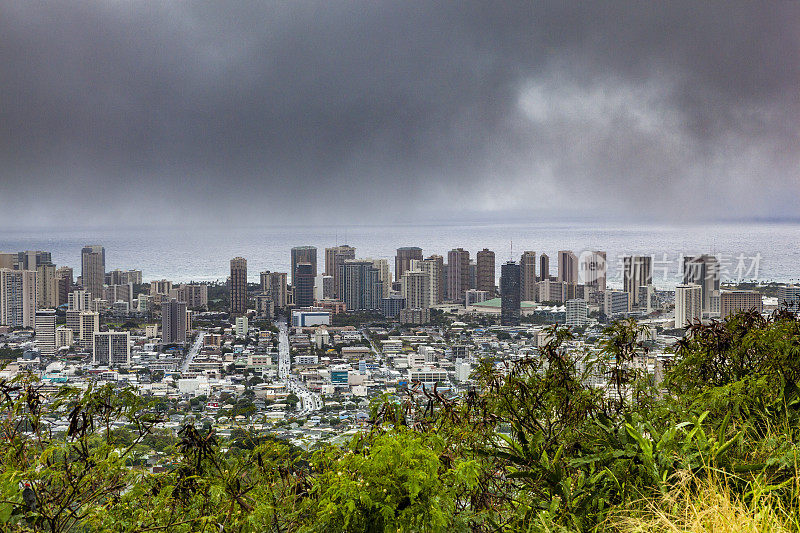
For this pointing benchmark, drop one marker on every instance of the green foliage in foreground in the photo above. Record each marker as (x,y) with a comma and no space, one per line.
(530,448)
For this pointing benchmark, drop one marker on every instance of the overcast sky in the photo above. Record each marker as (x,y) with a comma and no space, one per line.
(363,112)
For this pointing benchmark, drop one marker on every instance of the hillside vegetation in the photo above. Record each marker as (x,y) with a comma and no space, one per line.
(711,447)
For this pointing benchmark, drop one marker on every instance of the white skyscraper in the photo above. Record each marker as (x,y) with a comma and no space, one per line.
(688,304)
(46,331)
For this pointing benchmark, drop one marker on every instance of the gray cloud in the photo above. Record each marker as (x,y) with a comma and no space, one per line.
(368,111)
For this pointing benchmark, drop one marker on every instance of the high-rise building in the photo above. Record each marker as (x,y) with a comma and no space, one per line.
(433,265)
(123,277)
(789,295)
(46,286)
(64,337)
(688,304)
(703,270)
(567,266)
(112,348)
(416,286)
(93,269)
(8,260)
(731,302)
(577,312)
(637,272)
(118,293)
(18,298)
(31,259)
(402,261)
(304,255)
(527,265)
(303,284)
(194,294)
(334,258)
(384,274)
(544,267)
(457,274)
(46,331)
(474,296)
(485,271)
(616,303)
(64,281)
(323,287)
(79,300)
(510,294)
(592,270)
(88,325)
(238,286)
(359,286)
(242,327)
(173,322)
(274,283)
(160,286)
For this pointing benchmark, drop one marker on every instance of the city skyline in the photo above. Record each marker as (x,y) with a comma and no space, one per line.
(155,114)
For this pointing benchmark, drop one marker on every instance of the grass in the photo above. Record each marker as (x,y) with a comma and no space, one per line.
(704,506)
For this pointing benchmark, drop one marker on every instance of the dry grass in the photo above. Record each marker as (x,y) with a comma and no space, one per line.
(708,506)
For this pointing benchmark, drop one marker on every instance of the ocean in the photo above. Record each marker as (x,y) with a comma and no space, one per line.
(763,251)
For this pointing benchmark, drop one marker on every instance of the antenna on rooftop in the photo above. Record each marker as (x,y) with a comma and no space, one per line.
(511,253)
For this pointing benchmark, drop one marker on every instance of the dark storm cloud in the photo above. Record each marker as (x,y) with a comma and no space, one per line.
(398,110)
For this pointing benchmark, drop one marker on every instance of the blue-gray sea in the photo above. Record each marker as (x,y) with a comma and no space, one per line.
(765,251)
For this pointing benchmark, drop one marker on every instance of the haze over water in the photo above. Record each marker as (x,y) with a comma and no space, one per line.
(203,254)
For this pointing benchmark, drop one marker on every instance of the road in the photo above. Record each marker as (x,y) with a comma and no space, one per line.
(198,342)
(309,401)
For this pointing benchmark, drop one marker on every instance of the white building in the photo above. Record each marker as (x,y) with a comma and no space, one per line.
(64,337)
(46,331)
(242,326)
(688,304)
(577,312)
(303,318)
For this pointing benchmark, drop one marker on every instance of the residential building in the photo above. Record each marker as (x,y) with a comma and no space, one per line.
(88,325)
(416,286)
(414,316)
(402,261)
(359,286)
(510,294)
(93,269)
(46,286)
(577,312)
(275,283)
(688,304)
(242,327)
(334,258)
(112,348)
(18,298)
(527,265)
(592,270)
(31,259)
(323,287)
(485,271)
(616,303)
(474,296)
(458,279)
(238,286)
(703,270)
(384,274)
(637,272)
(391,306)
(64,337)
(567,266)
(173,321)
(789,295)
(731,302)
(194,294)
(79,300)
(46,331)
